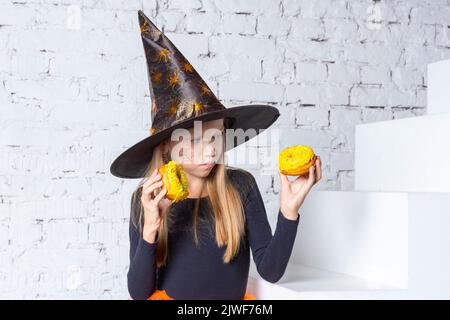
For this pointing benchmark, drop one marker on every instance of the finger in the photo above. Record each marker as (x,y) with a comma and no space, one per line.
(152,180)
(160,195)
(311,176)
(284,179)
(149,190)
(151,176)
(154,177)
(318,169)
(166,203)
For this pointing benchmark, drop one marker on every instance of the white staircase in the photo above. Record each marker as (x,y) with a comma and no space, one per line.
(410,155)
(438,91)
(390,238)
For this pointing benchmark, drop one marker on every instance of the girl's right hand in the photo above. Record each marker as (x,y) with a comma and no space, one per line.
(155,206)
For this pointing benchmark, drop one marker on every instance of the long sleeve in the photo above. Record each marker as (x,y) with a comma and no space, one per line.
(270,253)
(142,270)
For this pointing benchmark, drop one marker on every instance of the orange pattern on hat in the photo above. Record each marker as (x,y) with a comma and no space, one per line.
(173,79)
(173,109)
(163,54)
(198,107)
(156,76)
(204,90)
(188,67)
(144,26)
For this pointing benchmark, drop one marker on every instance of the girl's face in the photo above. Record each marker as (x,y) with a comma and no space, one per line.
(200,149)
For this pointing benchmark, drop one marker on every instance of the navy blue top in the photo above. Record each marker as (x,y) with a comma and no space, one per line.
(198,272)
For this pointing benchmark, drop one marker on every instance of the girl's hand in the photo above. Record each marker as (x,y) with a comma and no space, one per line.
(155,205)
(293,193)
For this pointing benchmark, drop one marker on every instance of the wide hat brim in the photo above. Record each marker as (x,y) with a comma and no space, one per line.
(134,161)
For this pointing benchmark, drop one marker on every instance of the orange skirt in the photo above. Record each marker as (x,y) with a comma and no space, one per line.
(162,295)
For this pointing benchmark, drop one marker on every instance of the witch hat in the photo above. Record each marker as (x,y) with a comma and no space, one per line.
(179,96)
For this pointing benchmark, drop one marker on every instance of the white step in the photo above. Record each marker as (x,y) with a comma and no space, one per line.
(438,91)
(302,283)
(364,234)
(411,154)
(370,245)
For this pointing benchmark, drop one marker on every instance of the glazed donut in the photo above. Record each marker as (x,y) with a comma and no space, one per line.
(174,181)
(296,160)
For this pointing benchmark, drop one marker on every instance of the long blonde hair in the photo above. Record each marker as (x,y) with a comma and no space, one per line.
(227,210)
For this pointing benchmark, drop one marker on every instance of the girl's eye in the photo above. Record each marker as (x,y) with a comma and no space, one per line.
(213,138)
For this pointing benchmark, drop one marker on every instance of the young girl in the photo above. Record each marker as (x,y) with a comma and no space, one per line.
(199,248)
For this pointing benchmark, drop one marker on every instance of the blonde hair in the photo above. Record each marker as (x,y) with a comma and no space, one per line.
(227,210)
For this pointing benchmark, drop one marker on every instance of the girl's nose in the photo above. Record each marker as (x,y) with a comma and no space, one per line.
(209,149)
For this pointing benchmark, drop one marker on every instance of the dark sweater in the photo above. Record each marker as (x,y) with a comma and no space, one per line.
(198,272)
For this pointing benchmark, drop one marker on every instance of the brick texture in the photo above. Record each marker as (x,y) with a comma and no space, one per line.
(74,94)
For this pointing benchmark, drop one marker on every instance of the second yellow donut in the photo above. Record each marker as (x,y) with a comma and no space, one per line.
(296,160)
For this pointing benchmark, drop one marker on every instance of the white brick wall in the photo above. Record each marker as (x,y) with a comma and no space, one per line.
(73,95)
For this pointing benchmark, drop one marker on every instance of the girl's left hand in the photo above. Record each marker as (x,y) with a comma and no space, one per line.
(293,193)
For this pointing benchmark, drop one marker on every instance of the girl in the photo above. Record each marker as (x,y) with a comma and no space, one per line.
(199,248)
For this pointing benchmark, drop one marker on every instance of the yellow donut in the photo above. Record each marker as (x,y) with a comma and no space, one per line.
(296,160)
(174,181)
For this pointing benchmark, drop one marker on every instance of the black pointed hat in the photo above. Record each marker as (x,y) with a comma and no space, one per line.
(178,97)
